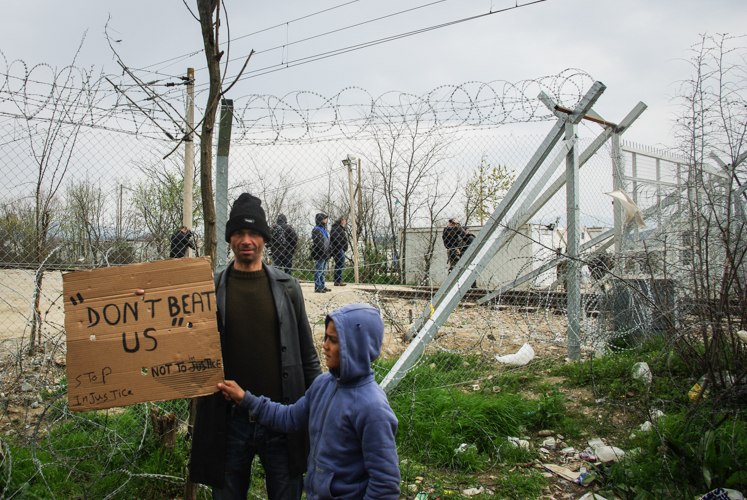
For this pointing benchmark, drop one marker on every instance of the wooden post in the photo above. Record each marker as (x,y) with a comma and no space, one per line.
(164,426)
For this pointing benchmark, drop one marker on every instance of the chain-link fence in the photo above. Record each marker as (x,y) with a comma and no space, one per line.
(81,195)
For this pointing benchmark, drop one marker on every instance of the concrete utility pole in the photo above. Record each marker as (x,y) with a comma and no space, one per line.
(189,156)
(348,162)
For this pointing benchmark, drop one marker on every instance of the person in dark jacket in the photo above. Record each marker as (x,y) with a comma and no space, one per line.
(180,242)
(453,236)
(267,347)
(283,246)
(351,426)
(338,242)
(320,252)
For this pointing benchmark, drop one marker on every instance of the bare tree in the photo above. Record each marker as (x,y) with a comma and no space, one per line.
(159,198)
(209,17)
(434,206)
(52,129)
(713,126)
(409,146)
(278,195)
(85,223)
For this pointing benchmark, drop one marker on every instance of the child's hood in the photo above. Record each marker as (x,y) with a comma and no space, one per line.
(360,332)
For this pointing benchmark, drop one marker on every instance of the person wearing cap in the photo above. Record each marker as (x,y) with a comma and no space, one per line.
(267,345)
(320,252)
(453,236)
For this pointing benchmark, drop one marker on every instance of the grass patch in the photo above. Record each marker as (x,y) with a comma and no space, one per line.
(467,432)
(93,454)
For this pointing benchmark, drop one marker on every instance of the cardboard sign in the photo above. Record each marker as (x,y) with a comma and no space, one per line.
(143,332)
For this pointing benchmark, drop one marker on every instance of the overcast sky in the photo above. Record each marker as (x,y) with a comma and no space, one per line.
(636,48)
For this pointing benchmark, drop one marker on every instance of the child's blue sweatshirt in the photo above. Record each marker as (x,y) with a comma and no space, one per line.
(351,426)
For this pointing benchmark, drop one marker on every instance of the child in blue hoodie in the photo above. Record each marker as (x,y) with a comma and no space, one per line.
(351,426)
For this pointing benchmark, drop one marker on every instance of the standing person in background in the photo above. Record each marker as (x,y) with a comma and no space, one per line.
(283,246)
(338,240)
(320,252)
(453,237)
(268,348)
(180,242)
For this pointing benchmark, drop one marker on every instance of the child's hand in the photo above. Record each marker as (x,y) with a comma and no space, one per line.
(231,391)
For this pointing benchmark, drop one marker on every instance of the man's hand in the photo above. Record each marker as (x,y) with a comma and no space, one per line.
(232,391)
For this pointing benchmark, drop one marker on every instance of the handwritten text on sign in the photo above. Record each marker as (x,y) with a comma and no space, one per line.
(143,332)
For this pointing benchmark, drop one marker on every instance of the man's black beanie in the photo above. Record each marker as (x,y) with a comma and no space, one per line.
(247,213)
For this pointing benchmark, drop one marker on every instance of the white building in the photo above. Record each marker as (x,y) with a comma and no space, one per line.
(533,246)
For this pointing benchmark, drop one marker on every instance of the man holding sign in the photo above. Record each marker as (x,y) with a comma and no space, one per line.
(267,346)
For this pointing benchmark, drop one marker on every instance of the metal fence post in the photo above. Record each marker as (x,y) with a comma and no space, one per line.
(573,267)
(221,180)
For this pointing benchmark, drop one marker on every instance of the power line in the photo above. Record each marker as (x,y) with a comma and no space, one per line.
(351,48)
(190,54)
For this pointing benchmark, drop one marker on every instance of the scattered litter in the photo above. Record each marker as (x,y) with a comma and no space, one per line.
(470,492)
(549,443)
(609,453)
(594,442)
(642,372)
(646,426)
(568,451)
(575,466)
(461,448)
(523,356)
(545,433)
(586,478)
(562,472)
(421,496)
(657,414)
(560,437)
(692,394)
(742,334)
(545,451)
(722,494)
(588,455)
(592,496)
(476,387)
(519,443)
